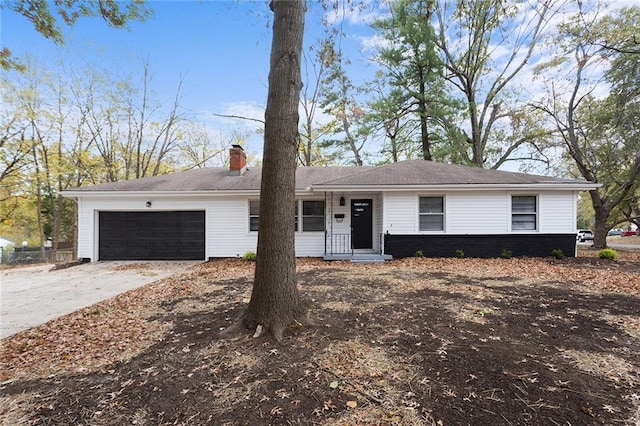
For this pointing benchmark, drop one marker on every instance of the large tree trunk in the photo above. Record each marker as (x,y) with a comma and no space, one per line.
(275,301)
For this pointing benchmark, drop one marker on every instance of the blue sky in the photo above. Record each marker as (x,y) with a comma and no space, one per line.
(220,49)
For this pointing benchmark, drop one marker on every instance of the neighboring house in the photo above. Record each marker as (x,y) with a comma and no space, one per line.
(385,211)
(4,243)
(5,247)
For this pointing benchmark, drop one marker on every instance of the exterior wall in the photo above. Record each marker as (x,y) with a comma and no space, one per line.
(484,215)
(560,212)
(479,224)
(227,223)
(85,231)
(485,246)
(228,228)
(487,212)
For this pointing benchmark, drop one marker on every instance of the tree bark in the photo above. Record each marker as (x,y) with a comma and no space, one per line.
(275,302)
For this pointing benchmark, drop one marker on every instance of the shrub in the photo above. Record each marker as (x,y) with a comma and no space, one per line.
(506,254)
(459,254)
(249,256)
(419,253)
(557,253)
(607,253)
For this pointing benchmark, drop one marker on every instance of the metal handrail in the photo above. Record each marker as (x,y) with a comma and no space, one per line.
(339,244)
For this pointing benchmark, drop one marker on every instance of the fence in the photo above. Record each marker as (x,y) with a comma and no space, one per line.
(18,257)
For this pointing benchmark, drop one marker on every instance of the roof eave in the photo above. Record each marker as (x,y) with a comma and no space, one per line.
(127,194)
(588,186)
(181,194)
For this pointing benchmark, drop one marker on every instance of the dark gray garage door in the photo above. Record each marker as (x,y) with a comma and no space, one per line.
(151,235)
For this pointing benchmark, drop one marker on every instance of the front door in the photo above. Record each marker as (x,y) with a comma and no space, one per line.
(362,224)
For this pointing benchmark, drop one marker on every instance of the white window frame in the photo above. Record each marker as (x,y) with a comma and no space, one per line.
(253,215)
(443,214)
(299,216)
(535,213)
(300,209)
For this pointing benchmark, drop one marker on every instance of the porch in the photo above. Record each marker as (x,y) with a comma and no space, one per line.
(340,247)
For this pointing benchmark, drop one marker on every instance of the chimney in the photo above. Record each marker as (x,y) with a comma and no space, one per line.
(237,160)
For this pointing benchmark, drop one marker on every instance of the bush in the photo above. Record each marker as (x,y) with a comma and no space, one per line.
(557,253)
(607,253)
(459,254)
(506,254)
(419,253)
(249,256)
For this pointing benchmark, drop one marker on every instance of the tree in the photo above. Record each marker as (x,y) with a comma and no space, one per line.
(312,132)
(48,22)
(339,100)
(275,302)
(412,67)
(601,135)
(470,36)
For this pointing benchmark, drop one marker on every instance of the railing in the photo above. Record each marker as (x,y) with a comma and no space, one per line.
(339,244)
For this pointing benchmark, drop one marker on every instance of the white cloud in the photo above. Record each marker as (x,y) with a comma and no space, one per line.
(363,12)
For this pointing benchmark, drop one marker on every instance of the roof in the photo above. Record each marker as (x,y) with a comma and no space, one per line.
(408,174)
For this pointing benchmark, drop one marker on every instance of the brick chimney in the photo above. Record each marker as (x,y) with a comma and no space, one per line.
(237,160)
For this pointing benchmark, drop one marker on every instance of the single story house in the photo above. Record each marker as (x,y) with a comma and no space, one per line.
(393,210)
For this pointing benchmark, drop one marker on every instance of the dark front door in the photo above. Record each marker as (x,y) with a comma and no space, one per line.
(362,224)
(175,235)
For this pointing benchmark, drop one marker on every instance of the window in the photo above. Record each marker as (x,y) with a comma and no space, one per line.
(312,216)
(431,214)
(254,215)
(524,216)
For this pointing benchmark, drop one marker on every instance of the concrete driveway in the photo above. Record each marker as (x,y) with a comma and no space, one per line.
(33,295)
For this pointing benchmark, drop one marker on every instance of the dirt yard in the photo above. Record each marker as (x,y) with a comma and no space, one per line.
(408,342)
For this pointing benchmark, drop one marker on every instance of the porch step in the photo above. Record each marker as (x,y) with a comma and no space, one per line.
(360,257)
(367,260)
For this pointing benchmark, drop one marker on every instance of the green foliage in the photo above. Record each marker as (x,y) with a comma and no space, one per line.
(249,256)
(607,253)
(459,254)
(557,253)
(506,254)
(415,100)
(48,22)
(606,148)
(418,253)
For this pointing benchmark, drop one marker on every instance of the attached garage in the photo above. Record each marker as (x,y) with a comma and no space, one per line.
(159,235)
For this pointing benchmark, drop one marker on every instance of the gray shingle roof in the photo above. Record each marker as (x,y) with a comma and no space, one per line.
(410,172)
(420,172)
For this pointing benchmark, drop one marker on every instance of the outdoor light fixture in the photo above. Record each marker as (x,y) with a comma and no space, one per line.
(342,201)
(148,203)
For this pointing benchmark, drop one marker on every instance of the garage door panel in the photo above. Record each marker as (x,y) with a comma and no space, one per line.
(175,235)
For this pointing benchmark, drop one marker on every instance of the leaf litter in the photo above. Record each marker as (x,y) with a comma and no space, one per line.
(409,342)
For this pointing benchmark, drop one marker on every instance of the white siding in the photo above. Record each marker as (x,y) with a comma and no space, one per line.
(378,215)
(558,212)
(474,213)
(227,223)
(400,213)
(487,212)
(228,228)
(227,218)
(85,231)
